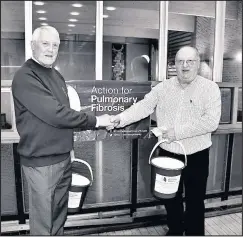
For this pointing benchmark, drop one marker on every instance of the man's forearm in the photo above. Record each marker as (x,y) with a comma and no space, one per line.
(141,109)
(197,127)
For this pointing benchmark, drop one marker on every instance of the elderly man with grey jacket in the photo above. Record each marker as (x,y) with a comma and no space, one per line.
(188,106)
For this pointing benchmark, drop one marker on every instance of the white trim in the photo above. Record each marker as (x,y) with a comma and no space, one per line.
(234,107)
(99,76)
(163,38)
(10,66)
(28,28)
(99,41)
(219,40)
(6,83)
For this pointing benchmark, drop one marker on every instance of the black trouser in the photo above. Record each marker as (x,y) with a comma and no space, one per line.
(194,177)
(48,197)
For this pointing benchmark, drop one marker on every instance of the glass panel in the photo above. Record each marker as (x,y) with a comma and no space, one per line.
(8,191)
(236,168)
(232,66)
(239,112)
(144,169)
(191,23)
(6,110)
(116,171)
(217,161)
(130,51)
(114,185)
(76,25)
(12,38)
(226,105)
(130,40)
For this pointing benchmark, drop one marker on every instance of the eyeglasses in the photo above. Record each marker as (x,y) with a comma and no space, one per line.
(188,62)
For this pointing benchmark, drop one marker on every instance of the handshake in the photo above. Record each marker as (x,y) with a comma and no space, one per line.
(109,121)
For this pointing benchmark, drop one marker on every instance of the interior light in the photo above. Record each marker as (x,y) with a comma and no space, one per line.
(238,56)
(39,3)
(73,20)
(71,25)
(41,11)
(77,5)
(44,24)
(74,13)
(110,8)
(42,18)
(105,16)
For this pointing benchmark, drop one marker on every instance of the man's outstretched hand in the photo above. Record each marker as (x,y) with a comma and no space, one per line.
(115,119)
(108,121)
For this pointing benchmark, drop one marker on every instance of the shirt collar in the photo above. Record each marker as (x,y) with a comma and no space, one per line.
(190,85)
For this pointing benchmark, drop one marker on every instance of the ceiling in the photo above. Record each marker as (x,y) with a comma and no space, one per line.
(130,19)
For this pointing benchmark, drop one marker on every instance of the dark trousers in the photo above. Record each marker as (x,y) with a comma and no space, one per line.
(194,178)
(48,197)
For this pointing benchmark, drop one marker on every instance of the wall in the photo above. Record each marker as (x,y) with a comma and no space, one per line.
(232,69)
(13,54)
(204,38)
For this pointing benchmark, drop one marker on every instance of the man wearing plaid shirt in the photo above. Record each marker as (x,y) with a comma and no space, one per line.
(189,107)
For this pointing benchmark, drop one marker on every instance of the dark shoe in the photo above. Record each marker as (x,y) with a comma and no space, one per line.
(171,233)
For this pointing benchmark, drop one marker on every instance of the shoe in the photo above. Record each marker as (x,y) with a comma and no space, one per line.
(170,233)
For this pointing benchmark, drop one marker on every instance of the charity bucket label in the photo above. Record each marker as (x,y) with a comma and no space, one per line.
(74,199)
(166,184)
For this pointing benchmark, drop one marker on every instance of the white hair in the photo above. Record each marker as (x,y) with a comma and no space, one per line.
(37,32)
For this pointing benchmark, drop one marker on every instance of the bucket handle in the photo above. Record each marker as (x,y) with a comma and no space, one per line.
(86,163)
(159,142)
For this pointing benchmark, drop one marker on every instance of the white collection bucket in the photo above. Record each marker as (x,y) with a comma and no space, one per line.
(79,186)
(165,173)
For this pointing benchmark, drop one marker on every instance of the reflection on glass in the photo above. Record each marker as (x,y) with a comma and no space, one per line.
(6,110)
(144,169)
(232,65)
(236,168)
(130,48)
(217,160)
(76,26)
(190,25)
(130,53)
(239,111)
(12,38)
(8,190)
(226,105)
(76,59)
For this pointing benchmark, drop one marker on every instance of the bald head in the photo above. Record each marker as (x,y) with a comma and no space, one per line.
(45,44)
(187,62)
(188,50)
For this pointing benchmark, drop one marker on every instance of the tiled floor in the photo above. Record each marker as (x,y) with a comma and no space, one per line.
(230,224)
